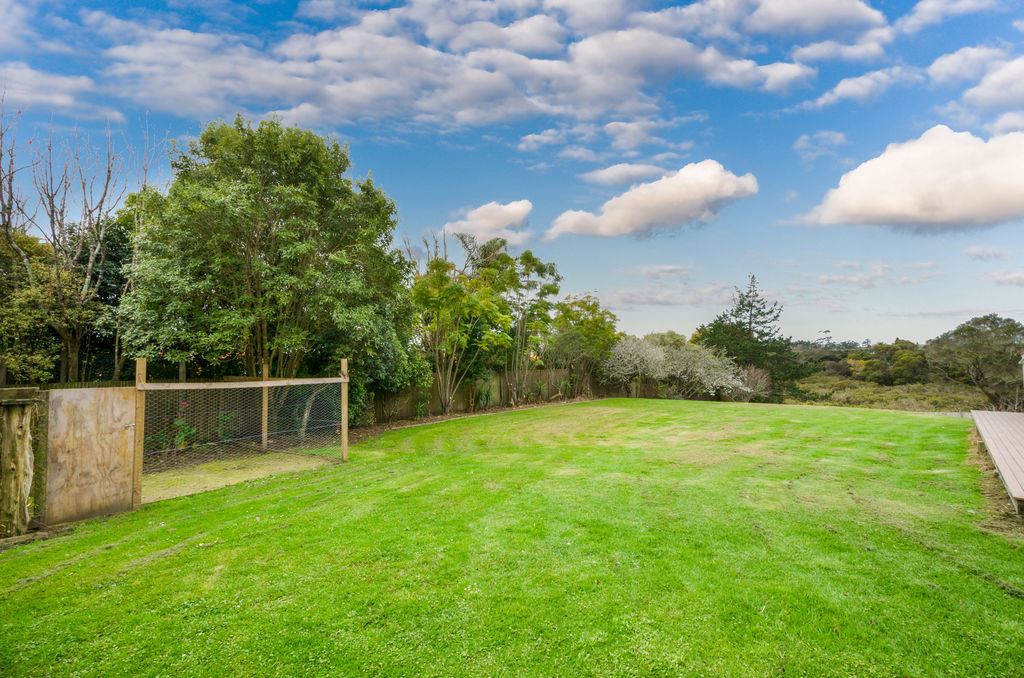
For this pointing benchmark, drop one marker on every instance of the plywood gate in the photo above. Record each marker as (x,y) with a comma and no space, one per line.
(91,453)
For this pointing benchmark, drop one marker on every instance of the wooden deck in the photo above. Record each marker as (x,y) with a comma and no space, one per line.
(1003,436)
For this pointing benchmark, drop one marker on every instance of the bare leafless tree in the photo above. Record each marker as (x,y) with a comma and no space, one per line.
(77,190)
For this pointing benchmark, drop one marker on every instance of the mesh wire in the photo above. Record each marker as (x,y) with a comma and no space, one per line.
(187,427)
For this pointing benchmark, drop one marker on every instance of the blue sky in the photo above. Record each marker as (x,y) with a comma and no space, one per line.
(864,159)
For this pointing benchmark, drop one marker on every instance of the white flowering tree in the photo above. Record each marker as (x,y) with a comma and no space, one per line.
(699,372)
(634,361)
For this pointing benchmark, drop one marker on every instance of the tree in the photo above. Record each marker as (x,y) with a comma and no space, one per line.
(28,350)
(634,361)
(527,283)
(698,372)
(583,334)
(463,318)
(748,332)
(984,352)
(262,250)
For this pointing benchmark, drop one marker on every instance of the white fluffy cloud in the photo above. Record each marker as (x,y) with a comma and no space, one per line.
(929,12)
(864,87)
(1001,88)
(695,193)
(941,181)
(812,16)
(1008,122)
(623,173)
(870,45)
(495,220)
(967,63)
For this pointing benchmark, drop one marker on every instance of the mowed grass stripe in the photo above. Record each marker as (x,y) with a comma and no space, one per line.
(612,537)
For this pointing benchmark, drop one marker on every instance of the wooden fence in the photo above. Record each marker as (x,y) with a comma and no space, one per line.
(83,455)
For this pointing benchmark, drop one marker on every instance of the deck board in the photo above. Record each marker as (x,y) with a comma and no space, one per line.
(1003,435)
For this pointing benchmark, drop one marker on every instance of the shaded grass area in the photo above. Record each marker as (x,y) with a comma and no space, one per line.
(610,537)
(217,473)
(824,389)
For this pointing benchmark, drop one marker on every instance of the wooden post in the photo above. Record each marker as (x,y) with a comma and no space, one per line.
(344,409)
(181,371)
(17,460)
(140,431)
(265,421)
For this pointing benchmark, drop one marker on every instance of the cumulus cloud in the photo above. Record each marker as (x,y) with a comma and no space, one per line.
(870,45)
(864,87)
(811,16)
(623,173)
(538,34)
(695,193)
(813,146)
(1001,88)
(1008,122)
(965,64)
(495,220)
(941,181)
(929,12)
(985,252)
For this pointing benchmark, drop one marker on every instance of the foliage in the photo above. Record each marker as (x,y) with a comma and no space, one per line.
(986,353)
(263,250)
(748,332)
(527,284)
(634,361)
(463,317)
(582,337)
(28,350)
(696,371)
(935,396)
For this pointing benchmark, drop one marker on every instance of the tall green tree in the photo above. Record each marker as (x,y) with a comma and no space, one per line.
(528,286)
(984,352)
(581,340)
(749,333)
(464,320)
(263,249)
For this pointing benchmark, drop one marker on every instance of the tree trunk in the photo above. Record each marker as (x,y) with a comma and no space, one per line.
(308,411)
(74,347)
(3,371)
(16,462)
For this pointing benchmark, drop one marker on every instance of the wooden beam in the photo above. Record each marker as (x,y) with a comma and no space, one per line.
(140,431)
(344,409)
(249,383)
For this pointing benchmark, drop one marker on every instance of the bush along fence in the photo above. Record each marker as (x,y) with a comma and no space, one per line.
(73,453)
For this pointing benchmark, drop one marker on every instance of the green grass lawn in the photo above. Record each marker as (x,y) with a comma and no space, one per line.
(611,537)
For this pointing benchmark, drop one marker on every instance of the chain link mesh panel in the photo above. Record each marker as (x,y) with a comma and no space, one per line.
(192,426)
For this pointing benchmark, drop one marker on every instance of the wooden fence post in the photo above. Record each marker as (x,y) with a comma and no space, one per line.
(17,412)
(140,431)
(344,409)
(265,420)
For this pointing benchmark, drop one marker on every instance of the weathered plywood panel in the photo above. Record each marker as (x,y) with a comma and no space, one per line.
(91,453)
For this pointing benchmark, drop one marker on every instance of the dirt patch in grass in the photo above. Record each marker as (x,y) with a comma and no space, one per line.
(223,472)
(999,513)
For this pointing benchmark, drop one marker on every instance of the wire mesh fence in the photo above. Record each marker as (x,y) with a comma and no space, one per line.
(189,426)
